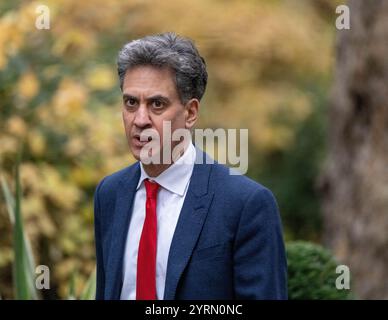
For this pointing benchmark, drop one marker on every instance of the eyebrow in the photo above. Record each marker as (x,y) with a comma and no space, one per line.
(149,99)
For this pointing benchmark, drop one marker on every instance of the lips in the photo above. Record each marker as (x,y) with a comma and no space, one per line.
(137,142)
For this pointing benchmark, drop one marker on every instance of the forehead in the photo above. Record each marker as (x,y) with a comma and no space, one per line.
(148,80)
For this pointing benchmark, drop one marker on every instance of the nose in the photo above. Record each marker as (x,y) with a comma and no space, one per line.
(142,117)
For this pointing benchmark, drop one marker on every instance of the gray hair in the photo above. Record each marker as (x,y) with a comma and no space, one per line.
(171,51)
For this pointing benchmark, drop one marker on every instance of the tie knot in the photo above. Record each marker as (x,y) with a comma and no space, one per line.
(151,188)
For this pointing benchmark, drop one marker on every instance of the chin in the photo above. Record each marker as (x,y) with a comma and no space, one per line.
(135,152)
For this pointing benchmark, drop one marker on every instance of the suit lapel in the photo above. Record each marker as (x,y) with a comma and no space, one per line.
(192,217)
(122,215)
(189,226)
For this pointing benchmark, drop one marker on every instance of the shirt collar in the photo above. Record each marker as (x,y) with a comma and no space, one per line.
(177,176)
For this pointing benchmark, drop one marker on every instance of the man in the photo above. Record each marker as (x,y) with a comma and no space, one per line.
(184,227)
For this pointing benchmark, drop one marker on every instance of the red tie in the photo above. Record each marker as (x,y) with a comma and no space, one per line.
(146,259)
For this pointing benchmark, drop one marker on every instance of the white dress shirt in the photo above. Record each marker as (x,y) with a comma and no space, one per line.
(174,182)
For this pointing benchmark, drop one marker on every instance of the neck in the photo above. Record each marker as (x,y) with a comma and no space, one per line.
(153,170)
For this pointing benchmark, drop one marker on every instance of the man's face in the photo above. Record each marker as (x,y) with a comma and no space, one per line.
(149,98)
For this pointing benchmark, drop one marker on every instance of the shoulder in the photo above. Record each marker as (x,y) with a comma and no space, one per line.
(237,187)
(112,182)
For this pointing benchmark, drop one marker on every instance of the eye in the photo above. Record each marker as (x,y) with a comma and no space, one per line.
(157,104)
(130,102)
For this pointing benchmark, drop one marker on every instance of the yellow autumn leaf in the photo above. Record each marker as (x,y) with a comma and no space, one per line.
(69,98)
(16,126)
(28,85)
(11,37)
(75,146)
(101,78)
(74,42)
(9,144)
(36,142)
(27,16)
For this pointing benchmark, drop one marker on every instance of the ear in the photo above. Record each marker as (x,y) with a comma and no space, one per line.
(192,112)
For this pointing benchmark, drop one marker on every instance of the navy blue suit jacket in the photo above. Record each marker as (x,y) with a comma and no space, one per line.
(227,243)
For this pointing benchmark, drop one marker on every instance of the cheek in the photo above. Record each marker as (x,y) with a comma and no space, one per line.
(177,123)
(179,120)
(182,121)
(126,119)
(175,118)
(159,128)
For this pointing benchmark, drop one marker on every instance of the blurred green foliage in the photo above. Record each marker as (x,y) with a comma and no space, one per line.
(24,269)
(292,174)
(23,263)
(312,273)
(269,65)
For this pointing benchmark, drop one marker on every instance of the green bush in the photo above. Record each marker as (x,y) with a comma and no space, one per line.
(312,273)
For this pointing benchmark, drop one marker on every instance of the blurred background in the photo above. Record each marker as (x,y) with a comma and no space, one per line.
(313,98)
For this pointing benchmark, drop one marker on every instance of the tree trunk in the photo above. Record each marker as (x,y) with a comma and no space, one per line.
(354,184)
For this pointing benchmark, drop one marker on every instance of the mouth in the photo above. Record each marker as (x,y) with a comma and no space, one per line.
(137,142)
